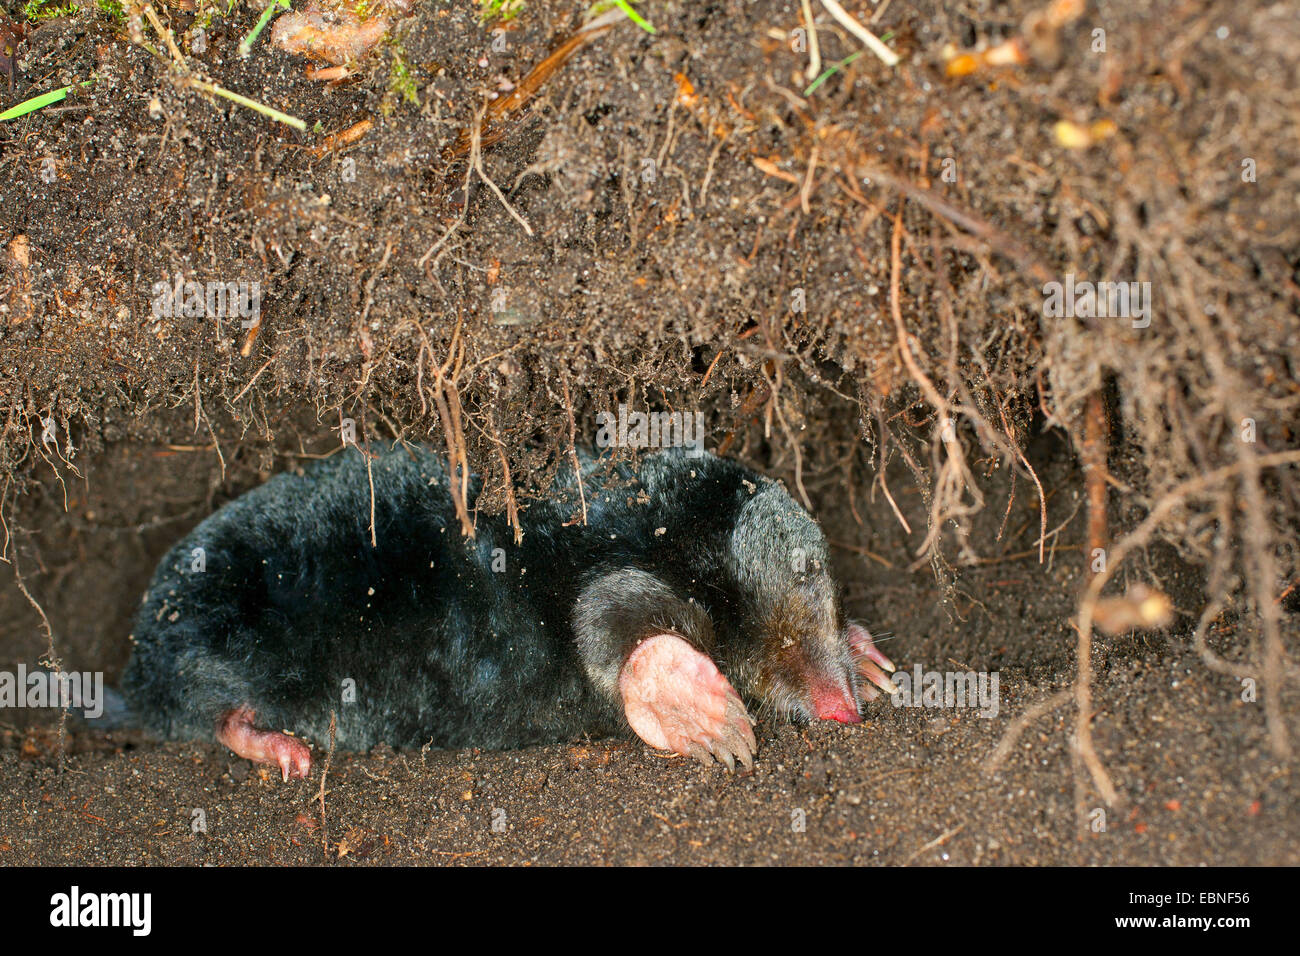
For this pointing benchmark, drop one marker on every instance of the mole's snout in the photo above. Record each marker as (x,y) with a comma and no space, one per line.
(843,716)
(835,703)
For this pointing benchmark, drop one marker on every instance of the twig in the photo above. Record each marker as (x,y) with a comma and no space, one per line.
(880,473)
(370,477)
(858,549)
(256,376)
(872,42)
(940,840)
(460,220)
(774,388)
(200,413)
(814,48)
(945,209)
(329,757)
(448,401)
(805,191)
(712,365)
(896,310)
(512,505)
(50,660)
(165,33)
(501,109)
(4,548)
(1042,499)
(1217,589)
(956,463)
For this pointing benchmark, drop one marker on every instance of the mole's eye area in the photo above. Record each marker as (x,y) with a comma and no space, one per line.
(805,661)
(808,676)
(781,679)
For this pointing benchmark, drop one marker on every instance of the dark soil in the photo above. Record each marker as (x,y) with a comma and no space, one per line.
(704,236)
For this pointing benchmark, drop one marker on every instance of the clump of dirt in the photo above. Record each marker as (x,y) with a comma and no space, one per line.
(487,233)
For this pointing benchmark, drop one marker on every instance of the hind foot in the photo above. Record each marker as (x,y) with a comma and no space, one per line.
(676,699)
(235,729)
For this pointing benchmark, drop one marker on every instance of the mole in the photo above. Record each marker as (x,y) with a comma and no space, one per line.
(695,592)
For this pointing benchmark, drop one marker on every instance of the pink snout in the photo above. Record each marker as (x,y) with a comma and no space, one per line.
(843,715)
(835,703)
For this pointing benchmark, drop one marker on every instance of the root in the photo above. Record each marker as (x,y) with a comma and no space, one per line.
(1017,727)
(447,400)
(512,505)
(50,659)
(1135,539)
(476,161)
(1094,454)
(954,476)
(573,447)
(324,774)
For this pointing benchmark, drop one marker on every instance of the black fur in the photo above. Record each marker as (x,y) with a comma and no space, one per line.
(293,601)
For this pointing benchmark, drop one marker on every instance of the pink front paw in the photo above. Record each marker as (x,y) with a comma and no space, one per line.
(676,699)
(869,662)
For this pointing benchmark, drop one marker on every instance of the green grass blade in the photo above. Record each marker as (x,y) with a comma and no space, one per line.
(262,108)
(37,102)
(829,72)
(836,67)
(634,16)
(246,44)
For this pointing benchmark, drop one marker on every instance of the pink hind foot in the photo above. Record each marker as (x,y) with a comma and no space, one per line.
(235,729)
(676,699)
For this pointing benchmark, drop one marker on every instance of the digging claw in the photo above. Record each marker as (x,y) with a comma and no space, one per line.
(720,752)
(742,732)
(675,699)
(872,664)
(747,759)
(878,677)
(699,753)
